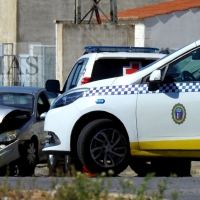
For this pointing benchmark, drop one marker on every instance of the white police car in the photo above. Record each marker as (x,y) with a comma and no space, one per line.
(148,120)
(102,62)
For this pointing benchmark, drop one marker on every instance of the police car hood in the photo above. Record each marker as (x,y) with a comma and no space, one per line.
(104,82)
(123,80)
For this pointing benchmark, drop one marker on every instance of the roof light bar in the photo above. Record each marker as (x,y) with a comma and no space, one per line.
(144,49)
(97,49)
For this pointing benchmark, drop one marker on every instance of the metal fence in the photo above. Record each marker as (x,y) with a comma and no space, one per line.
(31,69)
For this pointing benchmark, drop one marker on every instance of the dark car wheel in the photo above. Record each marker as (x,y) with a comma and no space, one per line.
(103,146)
(28,158)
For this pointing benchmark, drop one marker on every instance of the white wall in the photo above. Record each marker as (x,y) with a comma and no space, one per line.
(71,40)
(173,30)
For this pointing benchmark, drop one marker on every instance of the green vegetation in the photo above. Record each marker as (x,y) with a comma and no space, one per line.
(81,187)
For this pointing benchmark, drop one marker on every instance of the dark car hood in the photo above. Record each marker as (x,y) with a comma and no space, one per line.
(10,112)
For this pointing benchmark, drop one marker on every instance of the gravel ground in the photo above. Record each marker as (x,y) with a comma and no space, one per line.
(42,170)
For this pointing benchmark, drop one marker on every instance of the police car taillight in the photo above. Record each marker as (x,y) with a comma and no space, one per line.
(85,80)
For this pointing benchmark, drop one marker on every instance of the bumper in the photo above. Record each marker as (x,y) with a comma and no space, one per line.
(9,153)
(60,122)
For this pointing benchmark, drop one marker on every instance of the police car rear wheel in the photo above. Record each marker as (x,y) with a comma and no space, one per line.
(103,146)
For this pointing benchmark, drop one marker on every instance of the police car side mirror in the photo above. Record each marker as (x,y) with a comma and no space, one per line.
(155,76)
(154,80)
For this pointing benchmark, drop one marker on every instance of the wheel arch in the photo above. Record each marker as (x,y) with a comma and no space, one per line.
(84,120)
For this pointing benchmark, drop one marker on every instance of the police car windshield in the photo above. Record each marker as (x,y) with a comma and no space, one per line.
(152,63)
(158,60)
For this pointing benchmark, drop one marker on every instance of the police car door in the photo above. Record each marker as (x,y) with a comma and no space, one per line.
(168,119)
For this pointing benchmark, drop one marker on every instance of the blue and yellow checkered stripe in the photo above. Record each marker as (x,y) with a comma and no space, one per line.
(143,89)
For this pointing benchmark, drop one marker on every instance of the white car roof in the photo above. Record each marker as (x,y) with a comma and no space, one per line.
(124,55)
(129,55)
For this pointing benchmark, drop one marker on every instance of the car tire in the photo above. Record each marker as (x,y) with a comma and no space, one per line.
(28,158)
(103,146)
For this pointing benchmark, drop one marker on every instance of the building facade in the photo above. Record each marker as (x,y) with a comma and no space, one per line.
(28,36)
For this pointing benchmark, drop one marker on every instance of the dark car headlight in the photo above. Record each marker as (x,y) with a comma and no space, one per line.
(8,136)
(68,98)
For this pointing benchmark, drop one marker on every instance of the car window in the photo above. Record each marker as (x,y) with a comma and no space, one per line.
(110,68)
(75,74)
(50,96)
(185,69)
(17,100)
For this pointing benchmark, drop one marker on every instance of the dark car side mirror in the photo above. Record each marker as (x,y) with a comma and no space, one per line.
(52,86)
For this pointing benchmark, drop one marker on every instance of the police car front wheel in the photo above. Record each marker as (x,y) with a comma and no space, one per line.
(103,146)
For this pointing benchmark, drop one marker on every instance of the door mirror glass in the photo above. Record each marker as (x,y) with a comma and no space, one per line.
(53,86)
(155,76)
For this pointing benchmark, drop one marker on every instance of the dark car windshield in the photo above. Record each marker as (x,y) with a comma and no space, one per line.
(17,100)
(159,60)
(147,66)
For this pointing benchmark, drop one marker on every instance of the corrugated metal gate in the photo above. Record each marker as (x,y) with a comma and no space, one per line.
(31,69)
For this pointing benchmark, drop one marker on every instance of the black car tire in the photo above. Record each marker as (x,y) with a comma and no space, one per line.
(28,158)
(103,146)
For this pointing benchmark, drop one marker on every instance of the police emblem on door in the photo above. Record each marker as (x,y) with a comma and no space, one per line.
(178,113)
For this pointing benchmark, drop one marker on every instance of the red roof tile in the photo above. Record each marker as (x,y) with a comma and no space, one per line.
(158,9)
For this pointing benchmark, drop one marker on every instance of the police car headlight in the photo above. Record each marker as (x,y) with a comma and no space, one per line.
(68,98)
(8,136)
